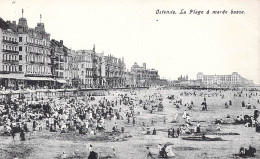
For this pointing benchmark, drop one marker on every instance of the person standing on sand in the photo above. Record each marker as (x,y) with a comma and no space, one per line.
(176,116)
(114,151)
(159,148)
(149,154)
(13,133)
(184,114)
(133,121)
(22,136)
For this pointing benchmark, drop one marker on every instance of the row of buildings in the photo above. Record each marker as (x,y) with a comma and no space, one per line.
(202,80)
(30,58)
(231,79)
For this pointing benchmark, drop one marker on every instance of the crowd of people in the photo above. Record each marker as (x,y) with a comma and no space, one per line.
(89,115)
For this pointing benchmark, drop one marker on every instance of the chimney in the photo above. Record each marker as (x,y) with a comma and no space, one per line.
(14,22)
(144,65)
(61,42)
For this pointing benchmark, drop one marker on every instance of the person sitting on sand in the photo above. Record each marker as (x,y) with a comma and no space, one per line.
(52,128)
(148,132)
(93,155)
(218,127)
(163,153)
(169,132)
(169,151)
(64,155)
(244,152)
(226,105)
(122,129)
(15,157)
(144,130)
(25,127)
(203,137)
(182,129)
(248,106)
(188,117)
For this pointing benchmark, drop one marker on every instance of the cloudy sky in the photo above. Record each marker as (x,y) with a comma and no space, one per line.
(174,44)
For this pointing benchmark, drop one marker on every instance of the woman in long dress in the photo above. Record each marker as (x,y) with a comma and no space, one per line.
(176,116)
(184,115)
(169,151)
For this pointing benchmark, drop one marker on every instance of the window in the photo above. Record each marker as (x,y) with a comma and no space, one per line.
(20,57)
(20,39)
(20,68)
(20,48)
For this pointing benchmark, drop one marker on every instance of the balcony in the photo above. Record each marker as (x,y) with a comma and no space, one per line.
(10,42)
(88,76)
(10,51)
(11,61)
(8,72)
(32,52)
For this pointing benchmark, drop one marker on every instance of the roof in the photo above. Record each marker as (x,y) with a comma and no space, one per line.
(3,24)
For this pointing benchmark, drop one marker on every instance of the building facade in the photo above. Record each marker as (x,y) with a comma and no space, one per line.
(10,70)
(85,68)
(28,58)
(59,60)
(143,75)
(232,79)
(115,71)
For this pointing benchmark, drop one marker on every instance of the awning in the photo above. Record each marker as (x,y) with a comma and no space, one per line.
(40,79)
(62,81)
(13,76)
(5,92)
(31,91)
(52,90)
(19,91)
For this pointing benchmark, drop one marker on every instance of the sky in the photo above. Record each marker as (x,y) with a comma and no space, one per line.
(174,44)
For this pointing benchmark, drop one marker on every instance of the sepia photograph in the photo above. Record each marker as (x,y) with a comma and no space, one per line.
(129,79)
